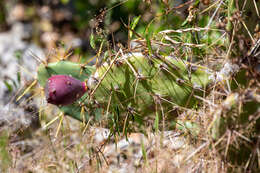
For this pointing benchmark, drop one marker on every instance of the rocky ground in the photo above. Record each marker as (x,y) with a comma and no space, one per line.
(18,69)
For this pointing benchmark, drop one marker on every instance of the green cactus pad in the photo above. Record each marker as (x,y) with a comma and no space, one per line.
(142,82)
(63,67)
(133,83)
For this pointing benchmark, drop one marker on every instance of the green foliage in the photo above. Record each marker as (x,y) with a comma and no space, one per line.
(8,86)
(133,25)
(92,41)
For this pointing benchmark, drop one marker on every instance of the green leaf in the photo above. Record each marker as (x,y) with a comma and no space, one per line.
(144,152)
(148,34)
(18,54)
(92,41)
(156,123)
(18,76)
(133,25)
(148,42)
(184,23)
(8,86)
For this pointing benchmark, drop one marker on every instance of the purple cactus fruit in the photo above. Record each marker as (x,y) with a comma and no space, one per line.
(64,89)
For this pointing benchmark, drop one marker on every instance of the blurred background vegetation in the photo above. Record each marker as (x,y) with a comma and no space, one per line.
(65,20)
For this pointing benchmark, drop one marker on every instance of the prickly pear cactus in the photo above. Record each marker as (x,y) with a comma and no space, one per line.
(132,83)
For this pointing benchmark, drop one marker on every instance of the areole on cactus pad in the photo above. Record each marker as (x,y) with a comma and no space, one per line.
(132,82)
